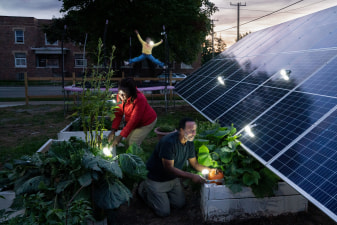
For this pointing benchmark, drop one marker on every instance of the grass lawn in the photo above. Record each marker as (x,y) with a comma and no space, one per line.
(24,129)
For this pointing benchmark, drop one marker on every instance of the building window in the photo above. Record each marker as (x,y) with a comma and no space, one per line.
(47,61)
(79,61)
(19,37)
(20,76)
(20,60)
(48,42)
(185,66)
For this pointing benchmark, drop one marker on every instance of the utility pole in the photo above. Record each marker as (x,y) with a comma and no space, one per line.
(212,24)
(238,26)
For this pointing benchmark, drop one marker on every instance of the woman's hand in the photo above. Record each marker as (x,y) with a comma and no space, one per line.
(111,136)
(117,140)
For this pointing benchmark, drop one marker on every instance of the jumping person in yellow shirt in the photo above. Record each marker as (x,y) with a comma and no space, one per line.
(147,52)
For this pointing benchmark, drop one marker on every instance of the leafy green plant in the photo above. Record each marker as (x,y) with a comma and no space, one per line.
(96,104)
(219,147)
(166,128)
(50,185)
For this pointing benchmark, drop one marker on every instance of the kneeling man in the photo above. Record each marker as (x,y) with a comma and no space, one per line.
(162,189)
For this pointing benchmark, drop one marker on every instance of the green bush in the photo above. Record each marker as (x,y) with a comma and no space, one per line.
(50,185)
(219,147)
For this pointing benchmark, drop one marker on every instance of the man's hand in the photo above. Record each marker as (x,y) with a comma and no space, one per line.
(136,31)
(111,136)
(198,179)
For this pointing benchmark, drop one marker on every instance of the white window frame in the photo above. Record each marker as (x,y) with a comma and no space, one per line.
(56,43)
(79,61)
(20,62)
(16,36)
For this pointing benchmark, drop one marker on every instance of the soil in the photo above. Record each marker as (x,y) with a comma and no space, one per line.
(137,212)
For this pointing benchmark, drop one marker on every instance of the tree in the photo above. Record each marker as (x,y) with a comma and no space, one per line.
(243,35)
(219,46)
(187,24)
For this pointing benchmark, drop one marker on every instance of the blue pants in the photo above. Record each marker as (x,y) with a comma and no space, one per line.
(145,56)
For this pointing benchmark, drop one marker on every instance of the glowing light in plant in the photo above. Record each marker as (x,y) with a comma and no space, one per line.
(107,151)
(285,74)
(221,80)
(205,171)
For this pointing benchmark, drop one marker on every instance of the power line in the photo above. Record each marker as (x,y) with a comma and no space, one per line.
(307,5)
(262,16)
(257,10)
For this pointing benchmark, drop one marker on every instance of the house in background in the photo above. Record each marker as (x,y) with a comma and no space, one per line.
(25,48)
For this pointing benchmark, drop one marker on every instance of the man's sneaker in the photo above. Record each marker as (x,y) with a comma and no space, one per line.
(126,63)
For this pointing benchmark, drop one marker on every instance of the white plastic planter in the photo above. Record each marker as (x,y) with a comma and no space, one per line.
(8,199)
(5,203)
(219,204)
(65,133)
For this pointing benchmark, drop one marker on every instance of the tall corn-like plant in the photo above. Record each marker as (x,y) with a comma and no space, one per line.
(96,105)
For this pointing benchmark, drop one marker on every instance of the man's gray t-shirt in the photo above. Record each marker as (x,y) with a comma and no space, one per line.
(170,148)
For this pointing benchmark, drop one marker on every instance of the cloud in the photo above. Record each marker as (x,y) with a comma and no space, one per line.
(41,9)
(226,17)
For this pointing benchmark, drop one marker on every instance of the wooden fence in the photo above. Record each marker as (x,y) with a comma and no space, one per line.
(74,79)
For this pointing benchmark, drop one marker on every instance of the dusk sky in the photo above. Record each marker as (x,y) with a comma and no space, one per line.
(226,16)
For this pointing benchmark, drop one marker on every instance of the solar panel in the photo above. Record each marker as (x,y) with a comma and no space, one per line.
(282,82)
(324,82)
(285,121)
(310,164)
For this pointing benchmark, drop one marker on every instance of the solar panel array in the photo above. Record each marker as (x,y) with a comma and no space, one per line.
(293,114)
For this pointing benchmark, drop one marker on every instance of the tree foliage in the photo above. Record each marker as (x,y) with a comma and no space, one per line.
(187,24)
(207,50)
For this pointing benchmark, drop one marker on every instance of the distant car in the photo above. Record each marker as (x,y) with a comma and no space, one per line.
(174,75)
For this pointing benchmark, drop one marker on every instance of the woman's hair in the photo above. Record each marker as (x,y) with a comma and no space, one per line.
(128,85)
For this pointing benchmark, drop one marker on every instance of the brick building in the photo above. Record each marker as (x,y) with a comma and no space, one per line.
(25,48)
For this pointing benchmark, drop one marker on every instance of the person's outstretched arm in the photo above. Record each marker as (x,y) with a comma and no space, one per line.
(139,37)
(158,43)
(169,167)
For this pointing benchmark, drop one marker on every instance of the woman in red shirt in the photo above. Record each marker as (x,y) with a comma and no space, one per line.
(139,116)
